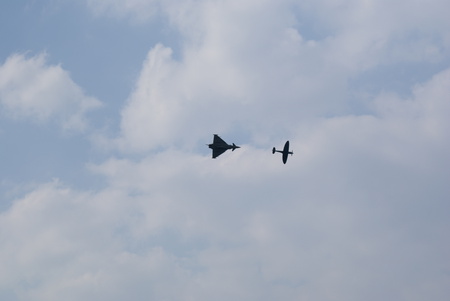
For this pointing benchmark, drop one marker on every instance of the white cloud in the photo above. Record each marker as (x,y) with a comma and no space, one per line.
(62,244)
(359,193)
(153,106)
(422,114)
(248,66)
(31,89)
(366,33)
(229,75)
(358,213)
(357,34)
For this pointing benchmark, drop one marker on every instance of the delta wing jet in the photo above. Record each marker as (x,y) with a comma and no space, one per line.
(219,146)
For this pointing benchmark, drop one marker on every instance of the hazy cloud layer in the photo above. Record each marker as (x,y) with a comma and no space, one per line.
(32,89)
(359,212)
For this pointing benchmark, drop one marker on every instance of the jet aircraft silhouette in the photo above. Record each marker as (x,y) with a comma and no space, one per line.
(285,151)
(219,146)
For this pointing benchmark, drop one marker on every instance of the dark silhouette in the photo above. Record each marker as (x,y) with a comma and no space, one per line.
(285,151)
(219,146)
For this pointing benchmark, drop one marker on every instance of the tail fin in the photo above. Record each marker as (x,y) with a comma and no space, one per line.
(273,150)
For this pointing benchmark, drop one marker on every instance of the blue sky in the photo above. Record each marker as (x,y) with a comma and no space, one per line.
(107,190)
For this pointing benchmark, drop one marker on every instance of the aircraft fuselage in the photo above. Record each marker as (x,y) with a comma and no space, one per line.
(219,146)
(285,152)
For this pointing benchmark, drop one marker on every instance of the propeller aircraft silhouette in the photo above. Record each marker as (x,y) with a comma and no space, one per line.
(285,152)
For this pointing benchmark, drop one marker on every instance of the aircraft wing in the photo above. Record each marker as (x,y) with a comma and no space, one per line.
(285,157)
(217,152)
(219,141)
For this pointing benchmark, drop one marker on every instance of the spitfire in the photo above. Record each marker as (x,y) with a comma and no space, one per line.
(285,152)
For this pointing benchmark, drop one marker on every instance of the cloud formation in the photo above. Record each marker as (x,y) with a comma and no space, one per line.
(31,89)
(244,63)
(358,213)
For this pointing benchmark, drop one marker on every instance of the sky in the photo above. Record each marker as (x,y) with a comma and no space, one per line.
(108,191)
